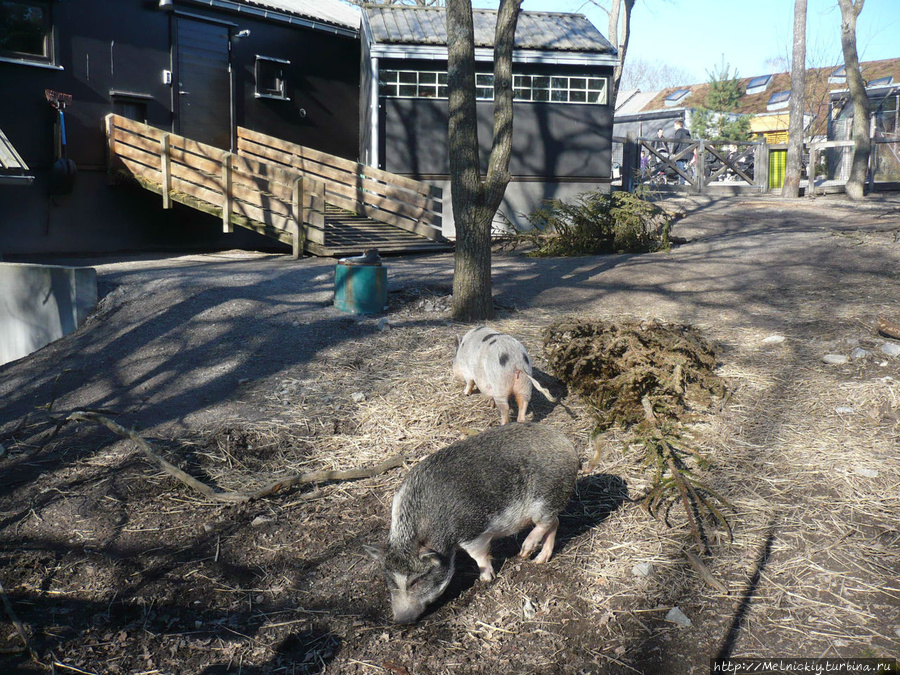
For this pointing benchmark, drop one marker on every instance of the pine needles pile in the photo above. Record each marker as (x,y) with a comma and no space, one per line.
(644,377)
(598,223)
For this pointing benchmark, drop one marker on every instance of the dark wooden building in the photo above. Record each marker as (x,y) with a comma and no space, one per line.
(198,68)
(562,131)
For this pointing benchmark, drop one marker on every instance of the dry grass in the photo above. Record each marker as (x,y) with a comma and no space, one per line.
(798,464)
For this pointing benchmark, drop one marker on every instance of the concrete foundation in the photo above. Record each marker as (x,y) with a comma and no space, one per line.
(40,304)
(521,198)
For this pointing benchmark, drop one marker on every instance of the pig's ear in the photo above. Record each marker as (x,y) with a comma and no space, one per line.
(429,555)
(458,341)
(374,552)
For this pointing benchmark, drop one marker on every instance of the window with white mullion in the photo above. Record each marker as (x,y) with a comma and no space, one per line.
(527,88)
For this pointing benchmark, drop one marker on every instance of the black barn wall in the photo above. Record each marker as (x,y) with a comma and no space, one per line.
(109,46)
(550,140)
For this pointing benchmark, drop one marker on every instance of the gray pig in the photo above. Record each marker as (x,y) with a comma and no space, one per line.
(499,366)
(465,495)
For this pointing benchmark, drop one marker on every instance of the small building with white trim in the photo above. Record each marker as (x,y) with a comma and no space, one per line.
(563,115)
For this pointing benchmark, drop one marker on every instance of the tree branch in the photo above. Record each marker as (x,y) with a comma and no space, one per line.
(236,497)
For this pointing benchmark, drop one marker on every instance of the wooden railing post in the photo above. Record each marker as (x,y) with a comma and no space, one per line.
(297,218)
(228,198)
(811,170)
(761,164)
(110,151)
(700,167)
(166,166)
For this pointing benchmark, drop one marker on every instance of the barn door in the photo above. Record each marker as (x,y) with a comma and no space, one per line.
(203,84)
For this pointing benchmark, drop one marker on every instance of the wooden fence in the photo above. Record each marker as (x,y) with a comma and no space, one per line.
(396,200)
(699,164)
(269,199)
(745,165)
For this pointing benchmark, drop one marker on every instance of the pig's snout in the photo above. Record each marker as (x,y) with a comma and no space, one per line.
(405,610)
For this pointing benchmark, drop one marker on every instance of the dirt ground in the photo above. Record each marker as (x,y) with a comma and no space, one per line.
(236,367)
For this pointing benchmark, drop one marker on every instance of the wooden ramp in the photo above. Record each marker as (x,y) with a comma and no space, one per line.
(315,202)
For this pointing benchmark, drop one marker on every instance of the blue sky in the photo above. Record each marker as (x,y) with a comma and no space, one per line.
(744,34)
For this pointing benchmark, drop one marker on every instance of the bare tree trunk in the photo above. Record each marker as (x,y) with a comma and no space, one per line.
(475,202)
(619,38)
(791,187)
(861,142)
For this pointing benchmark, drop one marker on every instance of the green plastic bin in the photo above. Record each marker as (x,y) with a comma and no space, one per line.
(360,285)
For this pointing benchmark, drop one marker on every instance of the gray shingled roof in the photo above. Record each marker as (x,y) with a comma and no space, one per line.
(549,31)
(327,11)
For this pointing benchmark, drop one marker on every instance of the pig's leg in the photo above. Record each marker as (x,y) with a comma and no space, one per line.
(480,550)
(503,404)
(470,387)
(522,403)
(543,531)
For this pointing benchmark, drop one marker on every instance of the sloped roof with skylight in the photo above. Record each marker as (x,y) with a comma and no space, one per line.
(817,88)
(758,84)
(779,100)
(677,97)
(880,82)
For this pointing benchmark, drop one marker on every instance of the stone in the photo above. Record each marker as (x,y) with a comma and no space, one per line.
(676,616)
(859,353)
(358,397)
(844,410)
(528,609)
(867,473)
(891,349)
(384,325)
(643,569)
(836,359)
(774,340)
(260,520)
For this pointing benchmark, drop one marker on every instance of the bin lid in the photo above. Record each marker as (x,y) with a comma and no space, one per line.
(370,258)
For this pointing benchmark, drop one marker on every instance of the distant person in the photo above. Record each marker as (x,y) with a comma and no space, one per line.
(659,144)
(681,144)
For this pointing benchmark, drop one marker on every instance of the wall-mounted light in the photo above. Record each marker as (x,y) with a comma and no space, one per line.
(166,4)
(241,34)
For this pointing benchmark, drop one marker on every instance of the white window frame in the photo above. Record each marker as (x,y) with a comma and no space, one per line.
(527,88)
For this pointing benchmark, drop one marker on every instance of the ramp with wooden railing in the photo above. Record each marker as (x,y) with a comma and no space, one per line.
(310,200)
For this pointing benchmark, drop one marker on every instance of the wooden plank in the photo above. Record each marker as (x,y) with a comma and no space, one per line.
(137,128)
(137,155)
(227,197)
(401,195)
(199,149)
(111,160)
(166,171)
(345,194)
(193,196)
(297,218)
(399,209)
(416,227)
(268,172)
(136,168)
(340,162)
(346,197)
